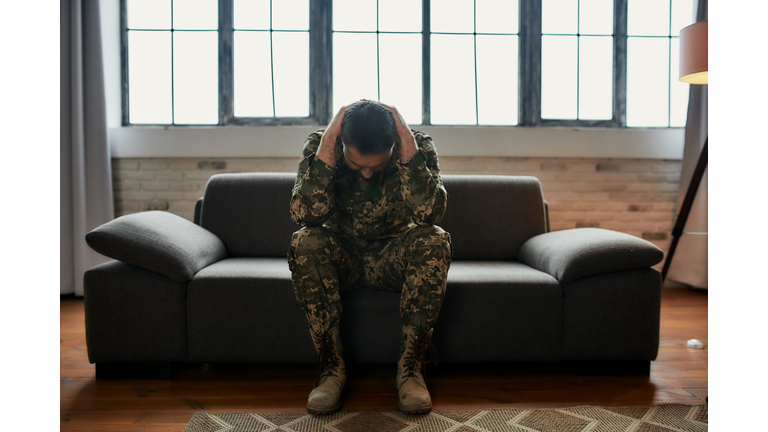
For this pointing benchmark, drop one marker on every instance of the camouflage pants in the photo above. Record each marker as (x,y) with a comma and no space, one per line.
(415,264)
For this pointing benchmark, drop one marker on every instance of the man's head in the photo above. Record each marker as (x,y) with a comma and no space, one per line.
(368,135)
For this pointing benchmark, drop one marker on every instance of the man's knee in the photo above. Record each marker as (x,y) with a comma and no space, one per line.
(313,241)
(429,241)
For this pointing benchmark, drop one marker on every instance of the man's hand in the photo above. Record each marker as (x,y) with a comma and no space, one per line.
(326,151)
(408,146)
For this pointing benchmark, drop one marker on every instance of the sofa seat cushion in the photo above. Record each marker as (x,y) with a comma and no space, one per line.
(245,310)
(500,311)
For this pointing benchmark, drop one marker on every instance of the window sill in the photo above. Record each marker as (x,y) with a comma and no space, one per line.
(492,141)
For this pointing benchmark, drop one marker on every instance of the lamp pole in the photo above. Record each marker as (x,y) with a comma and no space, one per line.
(685,210)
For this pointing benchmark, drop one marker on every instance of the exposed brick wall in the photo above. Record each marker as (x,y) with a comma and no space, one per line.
(634,196)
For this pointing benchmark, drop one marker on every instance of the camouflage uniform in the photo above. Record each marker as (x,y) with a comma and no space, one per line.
(378,232)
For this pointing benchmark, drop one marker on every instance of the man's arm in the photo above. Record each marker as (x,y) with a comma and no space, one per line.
(420,183)
(312,196)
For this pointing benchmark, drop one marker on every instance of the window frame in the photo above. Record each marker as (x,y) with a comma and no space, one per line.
(321,68)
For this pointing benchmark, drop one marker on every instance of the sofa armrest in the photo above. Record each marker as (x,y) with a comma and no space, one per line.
(158,241)
(572,254)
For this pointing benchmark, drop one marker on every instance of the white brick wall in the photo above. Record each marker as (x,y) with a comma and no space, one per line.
(635,196)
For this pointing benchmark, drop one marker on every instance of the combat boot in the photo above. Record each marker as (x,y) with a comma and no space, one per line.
(412,390)
(325,398)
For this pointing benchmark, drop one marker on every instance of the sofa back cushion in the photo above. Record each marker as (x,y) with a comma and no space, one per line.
(488,217)
(249,212)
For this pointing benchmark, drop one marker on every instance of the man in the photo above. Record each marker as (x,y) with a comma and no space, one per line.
(368,194)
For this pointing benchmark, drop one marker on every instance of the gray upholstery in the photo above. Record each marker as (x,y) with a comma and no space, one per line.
(490,217)
(515,292)
(499,311)
(249,213)
(478,320)
(134,315)
(572,254)
(613,316)
(244,309)
(228,299)
(158,241)
(237,221)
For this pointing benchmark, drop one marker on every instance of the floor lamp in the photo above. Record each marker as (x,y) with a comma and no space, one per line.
(693,70)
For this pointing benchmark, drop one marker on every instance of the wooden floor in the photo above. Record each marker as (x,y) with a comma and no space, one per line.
(679,375)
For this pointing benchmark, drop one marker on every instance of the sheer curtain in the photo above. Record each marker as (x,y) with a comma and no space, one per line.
(689,265)
(85,173)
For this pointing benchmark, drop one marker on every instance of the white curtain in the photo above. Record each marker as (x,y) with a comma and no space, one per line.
(85,178)
(689,264)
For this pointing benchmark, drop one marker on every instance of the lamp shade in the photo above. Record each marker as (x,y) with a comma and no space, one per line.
(694,65)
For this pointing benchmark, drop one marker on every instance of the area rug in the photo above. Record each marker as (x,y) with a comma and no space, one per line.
(662,418)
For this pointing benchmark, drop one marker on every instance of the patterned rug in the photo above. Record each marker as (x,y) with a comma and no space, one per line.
(662,418)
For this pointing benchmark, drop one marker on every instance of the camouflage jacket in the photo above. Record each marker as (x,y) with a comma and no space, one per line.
(382,207)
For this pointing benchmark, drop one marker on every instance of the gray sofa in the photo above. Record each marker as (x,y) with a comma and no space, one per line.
(219,289)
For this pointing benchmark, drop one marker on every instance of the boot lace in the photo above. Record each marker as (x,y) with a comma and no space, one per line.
(327,359)
(415,359)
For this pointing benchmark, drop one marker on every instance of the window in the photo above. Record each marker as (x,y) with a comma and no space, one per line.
(377,54)
(577,59)
(172,61)
(589,63)
(271,58)
(474,58)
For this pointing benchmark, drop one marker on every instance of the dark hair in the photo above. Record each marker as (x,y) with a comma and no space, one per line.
(368,127)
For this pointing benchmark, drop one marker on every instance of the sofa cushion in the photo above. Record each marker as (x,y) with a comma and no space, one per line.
(250,213)
(499,311)
(158,241)
(245,310)
(489,217)
(572,254)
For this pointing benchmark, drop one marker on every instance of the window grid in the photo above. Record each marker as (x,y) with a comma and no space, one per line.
(578,35)
(377,32)
(670,37)
(529,96)
(619,71)
(126,31)
(271,31)
(474,34)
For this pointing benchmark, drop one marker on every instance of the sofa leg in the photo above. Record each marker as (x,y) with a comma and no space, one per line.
(613,367)
(140,370)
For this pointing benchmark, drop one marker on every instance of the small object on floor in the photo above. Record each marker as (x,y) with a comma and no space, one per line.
(695,343)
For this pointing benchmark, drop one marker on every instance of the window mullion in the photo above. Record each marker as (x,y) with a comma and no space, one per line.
(426,66)
(530,63)
(320,61)
(124,59)
(620,62)
(226,74)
